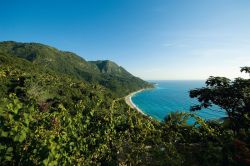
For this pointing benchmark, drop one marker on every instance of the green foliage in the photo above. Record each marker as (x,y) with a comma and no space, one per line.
(106,73)
(232,96)
(15,120)
(57,109)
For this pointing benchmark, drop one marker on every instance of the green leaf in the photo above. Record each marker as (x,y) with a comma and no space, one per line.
(22,137)
(4,134)
(9,150)
(8,158)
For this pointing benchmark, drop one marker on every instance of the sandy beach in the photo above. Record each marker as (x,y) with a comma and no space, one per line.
(131,104)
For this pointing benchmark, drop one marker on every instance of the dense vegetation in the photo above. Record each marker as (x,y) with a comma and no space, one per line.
(105,73)
(57,109)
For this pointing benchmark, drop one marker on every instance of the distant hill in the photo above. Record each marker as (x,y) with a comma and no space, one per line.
(110,67)
(106,73)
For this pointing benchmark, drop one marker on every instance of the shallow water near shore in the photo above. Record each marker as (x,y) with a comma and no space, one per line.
(172,96)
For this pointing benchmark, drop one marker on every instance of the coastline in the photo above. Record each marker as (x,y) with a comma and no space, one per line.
(130,103)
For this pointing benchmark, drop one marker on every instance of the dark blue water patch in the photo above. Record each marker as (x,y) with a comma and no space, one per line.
(172,96)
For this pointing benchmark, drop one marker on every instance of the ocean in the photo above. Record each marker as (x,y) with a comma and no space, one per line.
(172,96)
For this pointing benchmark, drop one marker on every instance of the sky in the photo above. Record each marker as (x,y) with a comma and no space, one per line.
(152,39)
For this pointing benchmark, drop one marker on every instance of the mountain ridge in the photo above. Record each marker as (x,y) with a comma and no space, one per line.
(104,72)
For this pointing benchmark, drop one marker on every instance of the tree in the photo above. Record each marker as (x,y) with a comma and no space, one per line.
(231,95)
(245,69)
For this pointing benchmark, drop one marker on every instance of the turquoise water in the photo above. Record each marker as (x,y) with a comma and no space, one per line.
(172,96)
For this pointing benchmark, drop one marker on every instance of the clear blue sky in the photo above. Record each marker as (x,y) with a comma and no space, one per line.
(152,39)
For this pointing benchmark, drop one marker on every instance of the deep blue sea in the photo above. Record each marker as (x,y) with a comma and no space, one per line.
(172,96)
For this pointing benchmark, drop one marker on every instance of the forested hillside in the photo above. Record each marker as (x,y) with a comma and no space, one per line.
(58,109)
(105,73)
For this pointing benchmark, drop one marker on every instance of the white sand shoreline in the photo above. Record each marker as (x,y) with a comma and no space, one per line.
(130,102)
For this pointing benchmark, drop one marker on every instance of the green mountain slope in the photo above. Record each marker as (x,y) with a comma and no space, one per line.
(50,114)
(106,73)
(110,67)
(50,118)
